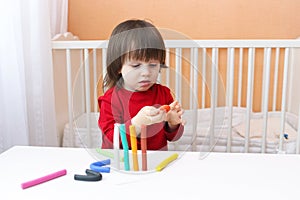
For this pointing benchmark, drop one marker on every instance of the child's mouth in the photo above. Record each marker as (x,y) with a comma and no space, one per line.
(144,83)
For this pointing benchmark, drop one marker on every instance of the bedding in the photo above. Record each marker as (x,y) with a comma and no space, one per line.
(203,142)
(201,124)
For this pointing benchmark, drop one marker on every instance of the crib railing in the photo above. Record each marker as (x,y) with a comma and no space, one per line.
(255,74)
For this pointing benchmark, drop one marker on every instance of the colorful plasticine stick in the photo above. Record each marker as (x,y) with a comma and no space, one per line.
(165,162)
(43,179)
(125,146)
(134,147)
(144,147)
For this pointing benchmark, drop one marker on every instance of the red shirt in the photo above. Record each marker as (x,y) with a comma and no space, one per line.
(118,105)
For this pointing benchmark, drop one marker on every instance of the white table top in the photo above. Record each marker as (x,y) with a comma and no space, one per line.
(218,176)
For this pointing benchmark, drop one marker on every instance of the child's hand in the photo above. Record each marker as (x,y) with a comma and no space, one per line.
(174,116)
(148,115)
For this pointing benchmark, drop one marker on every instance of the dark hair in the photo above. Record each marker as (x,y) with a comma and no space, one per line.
(132,39)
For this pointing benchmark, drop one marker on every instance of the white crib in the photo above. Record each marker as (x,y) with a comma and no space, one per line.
(238,95)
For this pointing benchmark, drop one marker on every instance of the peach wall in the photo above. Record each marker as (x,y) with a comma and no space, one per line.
(197,19)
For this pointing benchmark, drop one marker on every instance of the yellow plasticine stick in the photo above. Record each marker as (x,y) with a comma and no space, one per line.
(165,162)
(134,147)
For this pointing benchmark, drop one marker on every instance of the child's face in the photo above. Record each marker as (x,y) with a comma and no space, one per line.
(140,75)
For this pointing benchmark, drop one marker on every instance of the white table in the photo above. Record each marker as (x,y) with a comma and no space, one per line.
(218,176)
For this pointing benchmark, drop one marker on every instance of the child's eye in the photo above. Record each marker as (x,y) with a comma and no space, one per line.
(153,65)
(135,65)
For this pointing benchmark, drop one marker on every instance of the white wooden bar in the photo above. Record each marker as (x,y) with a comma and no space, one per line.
(80,44)
(95,78)
(240,77)
(81,75)
(213,97)
(298,135)
(168,69)
(251,56)
(186,44)
(191,78)
(178,74)
(232,43)
(227,76)
(203,77)
(70,94)
(284,92)
(104,52)
(263,79)
(87,94)
(217,75)
(230,79)
(275,78)
(265,96)
(194,93)
(194,70)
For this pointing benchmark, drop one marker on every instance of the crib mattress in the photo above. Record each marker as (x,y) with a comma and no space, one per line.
(197,134)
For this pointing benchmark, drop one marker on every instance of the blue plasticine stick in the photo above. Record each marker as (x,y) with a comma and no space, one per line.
(125,147)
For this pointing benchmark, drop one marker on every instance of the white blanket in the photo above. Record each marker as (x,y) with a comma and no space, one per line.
(198,123)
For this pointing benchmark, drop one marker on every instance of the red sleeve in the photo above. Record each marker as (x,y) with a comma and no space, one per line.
(175,134)
(106,120)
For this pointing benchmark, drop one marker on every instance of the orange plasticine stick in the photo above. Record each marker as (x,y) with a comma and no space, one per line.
(166,108)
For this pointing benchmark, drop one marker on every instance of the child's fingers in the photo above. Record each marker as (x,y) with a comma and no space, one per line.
(152,111)
(173,104)
(158,117)
(183,122)
(181,112)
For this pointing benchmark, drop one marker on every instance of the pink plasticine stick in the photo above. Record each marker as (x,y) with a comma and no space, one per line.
(43,179)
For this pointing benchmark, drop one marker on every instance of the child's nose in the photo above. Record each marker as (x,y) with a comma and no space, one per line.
(145,70)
